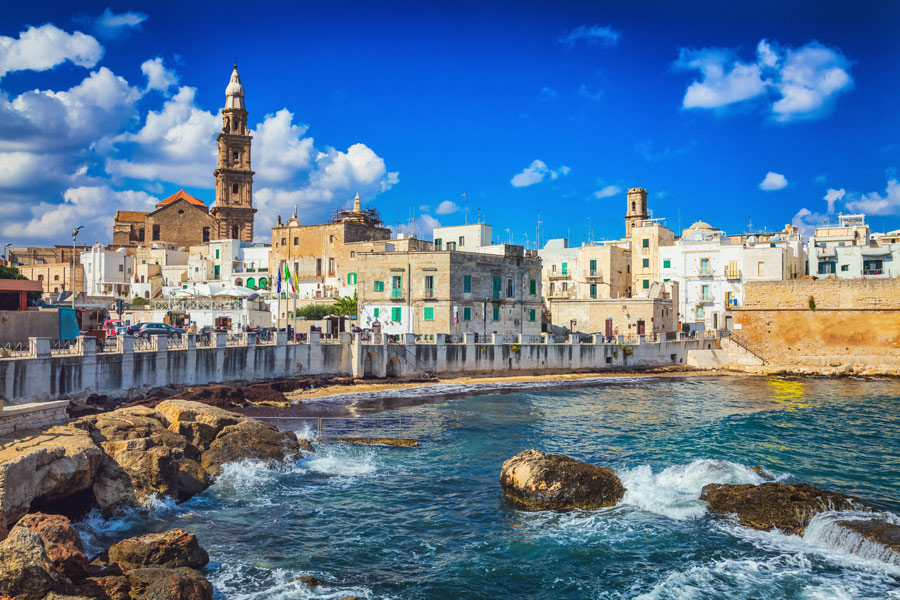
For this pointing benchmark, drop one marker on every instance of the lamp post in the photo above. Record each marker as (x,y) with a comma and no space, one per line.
(74,236)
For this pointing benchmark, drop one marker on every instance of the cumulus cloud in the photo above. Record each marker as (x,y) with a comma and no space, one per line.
(447,207)
(280,148)
(595,34)
(422,227)
(606,192)
(45,47)
(773,181)
(874,203)
(806,81)
(832,196)
(158,76)
(111,25)
(536,172)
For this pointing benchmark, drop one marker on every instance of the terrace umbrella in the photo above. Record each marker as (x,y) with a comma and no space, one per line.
(234,291)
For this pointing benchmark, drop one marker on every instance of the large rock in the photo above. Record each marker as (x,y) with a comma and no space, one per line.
(538,481)
(26,572)
(771,505)
(170,549)
(199,423)
(251,440)
(55,464)
(62,543)
(168,584)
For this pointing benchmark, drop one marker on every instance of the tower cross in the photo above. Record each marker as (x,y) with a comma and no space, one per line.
(235,60)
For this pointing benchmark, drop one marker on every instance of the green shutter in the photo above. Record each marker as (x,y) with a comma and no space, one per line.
(217,253)
(646,263)
(646,284)
(375,312)
(531,314)
(532,287)
(593,266)
(351,278)
(645,242)
(395,314)
(467,284)
(667,264)
(467,314)
(498,285)
(565,268)
(593,290)
(496,313)
(429,313)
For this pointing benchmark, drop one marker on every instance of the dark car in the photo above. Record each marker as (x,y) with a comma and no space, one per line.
(148,329)
(133,328)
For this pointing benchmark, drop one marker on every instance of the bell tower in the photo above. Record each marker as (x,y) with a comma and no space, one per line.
(233,208)
(635,209)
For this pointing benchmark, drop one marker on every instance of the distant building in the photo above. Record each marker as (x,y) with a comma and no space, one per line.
(465,238)
(182,220)
(230,262)
(107,272)
(849,251)
(654,313)
(156,267)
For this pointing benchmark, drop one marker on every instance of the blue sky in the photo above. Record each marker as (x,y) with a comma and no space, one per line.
(765,111)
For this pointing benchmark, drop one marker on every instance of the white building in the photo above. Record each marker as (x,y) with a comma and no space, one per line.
(465,238)
(711,268)
(107,272)
(230,262)
(848,251)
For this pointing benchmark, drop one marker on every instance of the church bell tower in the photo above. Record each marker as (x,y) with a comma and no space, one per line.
(233,208)
(635,209)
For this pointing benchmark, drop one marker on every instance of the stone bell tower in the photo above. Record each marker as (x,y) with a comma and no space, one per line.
(233,208)
(635,209)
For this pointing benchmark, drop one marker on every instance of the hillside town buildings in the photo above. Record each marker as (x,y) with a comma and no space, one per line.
(849,251)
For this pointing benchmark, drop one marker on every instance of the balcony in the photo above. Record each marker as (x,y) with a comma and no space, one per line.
(594,275)
(429,294)
(396,294)
(733,275)
(706,299)
(559,276)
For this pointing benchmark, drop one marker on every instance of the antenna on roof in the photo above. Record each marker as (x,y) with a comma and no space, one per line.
(466,205)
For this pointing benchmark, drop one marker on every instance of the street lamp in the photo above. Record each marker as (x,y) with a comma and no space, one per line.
(74,236)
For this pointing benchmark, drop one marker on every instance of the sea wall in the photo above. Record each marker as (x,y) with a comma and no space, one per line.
(120,368)
(830,322)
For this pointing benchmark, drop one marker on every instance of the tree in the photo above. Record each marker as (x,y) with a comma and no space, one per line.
(313,312)
(138,301)
(346,306)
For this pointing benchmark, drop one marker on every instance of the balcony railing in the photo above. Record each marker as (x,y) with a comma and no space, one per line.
(428,293)
(732,274)
(559,276)
(396,293)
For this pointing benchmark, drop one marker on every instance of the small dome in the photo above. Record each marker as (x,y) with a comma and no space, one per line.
(234,93)
(700,226)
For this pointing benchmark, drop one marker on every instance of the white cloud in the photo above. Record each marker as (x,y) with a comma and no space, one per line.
(874,203)
(447,207)
(805,80)
(158,76)
(605,35)
(536,172)
(773,181)
(110,24)
(606,192)
(806,221)
(422,227)
(832,196)
(280,149)
(44,47)
(92,207)
(587,94)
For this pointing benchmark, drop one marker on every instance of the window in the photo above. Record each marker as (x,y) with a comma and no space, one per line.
(467,314)
(532,287)
(330,239)
(646,284)
(396,286)
(377,286)
(645,243)
(532,314)
(565,268)
(217,254)
(845,267)
(645,263)
(593,267)
(761,269)
(732,269)
(496,313)
(140,235)
(296,240)
(206,234)
(509,287)
(462,241)
(331,266)
(729,296)
(553,269)
(56,278)
(396,314)
(498,284)
(704,266)
(217,271)
(467,284)
(318,267)
(826,268)
(552,287)
(704,291)
(593,290)
(352,254)
(565,286)
(667,264)
(429,286)
(376,312)
(451,246)
(438,243)
(700,315)
(283,241)
(234,155)
(234,188)
(234,232)
(156,233)
(121,268)
(429,313)
(351,278)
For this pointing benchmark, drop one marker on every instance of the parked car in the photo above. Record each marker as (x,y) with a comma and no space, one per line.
(148,329)
(121,330)
(133,328)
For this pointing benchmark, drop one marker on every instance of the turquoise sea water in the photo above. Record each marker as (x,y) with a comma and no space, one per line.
(431,522)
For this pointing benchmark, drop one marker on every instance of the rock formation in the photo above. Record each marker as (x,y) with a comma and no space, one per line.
(537,481)
(769,505)
(171,549)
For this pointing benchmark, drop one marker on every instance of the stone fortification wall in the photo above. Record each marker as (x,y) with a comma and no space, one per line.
(830,322)
(124,371)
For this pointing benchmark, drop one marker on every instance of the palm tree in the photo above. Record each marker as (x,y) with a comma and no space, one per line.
(346,306)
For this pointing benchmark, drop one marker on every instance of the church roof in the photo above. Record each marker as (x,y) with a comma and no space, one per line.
(131,216)
(180,195)
(234,93)
(700,226)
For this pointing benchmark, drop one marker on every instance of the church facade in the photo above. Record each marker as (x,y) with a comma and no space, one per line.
(182,220)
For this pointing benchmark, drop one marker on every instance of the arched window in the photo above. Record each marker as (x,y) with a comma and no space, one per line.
(234,232)
(251,283)
(234,188)
(264,283)
(633,206)
(146,294)
(40,277)
(238,282)
(56,278)
(234,155)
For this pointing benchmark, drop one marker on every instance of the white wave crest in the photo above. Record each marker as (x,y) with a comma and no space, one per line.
(96,530)
(343,460)
(674,492)
(824,531)
(250,582)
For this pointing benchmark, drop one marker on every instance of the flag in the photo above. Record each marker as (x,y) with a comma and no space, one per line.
(296,281)
(287,276)
(279,281)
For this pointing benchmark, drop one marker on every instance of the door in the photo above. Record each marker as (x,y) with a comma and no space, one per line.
(715,320)
(609,328)
(640,327)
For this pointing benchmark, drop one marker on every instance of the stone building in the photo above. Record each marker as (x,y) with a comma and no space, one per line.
(321,255)
(54,277)
(182,220)
(654,313)
(444,291)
